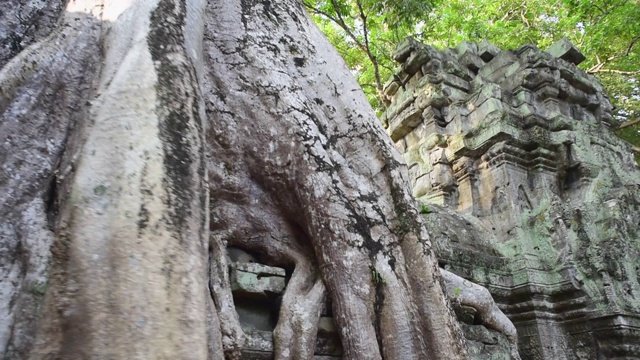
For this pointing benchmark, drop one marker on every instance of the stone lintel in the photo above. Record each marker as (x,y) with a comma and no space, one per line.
(253,278)
(260,269)
(259,345)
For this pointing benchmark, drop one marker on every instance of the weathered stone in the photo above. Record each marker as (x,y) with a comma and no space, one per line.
(259,346)
(495,69)
(403,123)
(457,82)
(401,101)
(565,50)
(485,109)
(415,61)
(391,87)
(404,49)
(453,67)
(401,144)
(485,344)
(428,95)
(256,278)
(414,79)
(431,112)
(522,96)
(472,61)
(453,95)
(466,47)
(433,66)
(487,50)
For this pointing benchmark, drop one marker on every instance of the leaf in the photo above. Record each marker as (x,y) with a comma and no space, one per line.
(424,209)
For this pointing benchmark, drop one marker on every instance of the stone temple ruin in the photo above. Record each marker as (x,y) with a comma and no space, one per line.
(534,197)
(526,191)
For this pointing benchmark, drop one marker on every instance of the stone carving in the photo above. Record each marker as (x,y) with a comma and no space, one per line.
(536,198)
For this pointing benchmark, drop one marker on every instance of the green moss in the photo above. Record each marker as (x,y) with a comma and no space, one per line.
(424,209)
(100,190)
(38,288)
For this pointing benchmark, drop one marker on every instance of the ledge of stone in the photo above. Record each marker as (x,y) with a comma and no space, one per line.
(256,279)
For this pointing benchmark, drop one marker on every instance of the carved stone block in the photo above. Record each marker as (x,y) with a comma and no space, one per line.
(565,50)
(258,279)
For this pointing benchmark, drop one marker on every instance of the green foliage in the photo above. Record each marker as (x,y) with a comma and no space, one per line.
(365,33)
(606,31)
(632,135)
(424,209)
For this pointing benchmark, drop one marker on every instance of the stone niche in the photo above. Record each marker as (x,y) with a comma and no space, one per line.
(257,290)
(531,194)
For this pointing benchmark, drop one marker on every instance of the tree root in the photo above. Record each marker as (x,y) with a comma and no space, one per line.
(295,334)
(478,297)
(43,90)
(231,334)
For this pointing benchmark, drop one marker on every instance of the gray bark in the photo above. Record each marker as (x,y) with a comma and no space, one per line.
(141,138)
(465,292)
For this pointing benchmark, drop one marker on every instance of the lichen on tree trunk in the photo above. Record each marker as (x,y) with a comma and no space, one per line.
(192,126)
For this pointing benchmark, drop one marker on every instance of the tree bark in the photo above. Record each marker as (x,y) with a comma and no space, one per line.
(143,137)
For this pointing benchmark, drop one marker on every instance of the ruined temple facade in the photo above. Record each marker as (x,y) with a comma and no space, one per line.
(526,191)
(530,193)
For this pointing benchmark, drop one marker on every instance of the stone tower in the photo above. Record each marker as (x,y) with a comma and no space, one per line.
(531,194)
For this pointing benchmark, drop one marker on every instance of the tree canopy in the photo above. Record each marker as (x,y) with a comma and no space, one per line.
(606,31)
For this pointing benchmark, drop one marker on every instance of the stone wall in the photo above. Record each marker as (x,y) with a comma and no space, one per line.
(531,193)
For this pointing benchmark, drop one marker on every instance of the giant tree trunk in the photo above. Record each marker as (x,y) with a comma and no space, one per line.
(142,137)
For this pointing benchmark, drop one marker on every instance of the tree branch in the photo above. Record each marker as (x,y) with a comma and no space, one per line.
(599,66)
(339,20)
(372,58)
(613,71)
(365,46)
(629,123)
(633,41)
